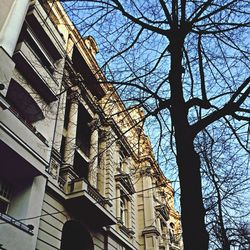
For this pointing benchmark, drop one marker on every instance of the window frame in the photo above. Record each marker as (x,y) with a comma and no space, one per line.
(5,195)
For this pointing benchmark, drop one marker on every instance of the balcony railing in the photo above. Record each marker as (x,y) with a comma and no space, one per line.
(97,196)
(29,126)
(81,184)
(61,182)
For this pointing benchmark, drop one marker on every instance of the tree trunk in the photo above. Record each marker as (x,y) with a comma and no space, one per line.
(192,210)
(195,236)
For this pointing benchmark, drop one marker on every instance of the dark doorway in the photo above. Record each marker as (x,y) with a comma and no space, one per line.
(76,237)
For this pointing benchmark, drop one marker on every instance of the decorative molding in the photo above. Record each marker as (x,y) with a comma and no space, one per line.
(150,230)
(126,182)
(162,209)
(74,96)
(128,231)
(94,124)
(55,164)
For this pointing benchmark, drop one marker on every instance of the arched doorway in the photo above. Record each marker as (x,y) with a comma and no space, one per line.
(76,237)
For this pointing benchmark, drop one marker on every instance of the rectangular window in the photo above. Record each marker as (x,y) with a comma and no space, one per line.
(121,161)
(41,53)
(3,206)
(5,193)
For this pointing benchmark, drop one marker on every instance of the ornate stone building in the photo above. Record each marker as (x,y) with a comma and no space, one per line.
(77,171)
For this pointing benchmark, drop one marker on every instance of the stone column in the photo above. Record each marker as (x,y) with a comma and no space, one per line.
(12,26)
(117,158)
(27,204)
(101,182)
(93,152)
(133,214)
(70,143)
(118,203)
(110,187)
(148,201)
(159,229)
(159,225)
(70,47)
(12,15)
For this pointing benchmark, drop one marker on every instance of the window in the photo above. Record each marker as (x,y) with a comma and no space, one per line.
(122,210)
(121,161)
(124,213)
(171,232)
(5,193)
(163,228)
(41,53)
(81,165)
(83,131)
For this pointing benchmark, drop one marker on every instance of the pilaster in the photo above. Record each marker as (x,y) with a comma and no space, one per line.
(101,175)
(11,28)
(9,33)
(148,201)
(110,168)
(70,142)
(150,231)
(118,203)
(93,153)
(129,226)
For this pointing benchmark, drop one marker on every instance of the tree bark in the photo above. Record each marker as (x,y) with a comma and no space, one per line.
(195,236)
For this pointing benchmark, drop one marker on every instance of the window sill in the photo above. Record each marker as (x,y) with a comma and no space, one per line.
(128,231)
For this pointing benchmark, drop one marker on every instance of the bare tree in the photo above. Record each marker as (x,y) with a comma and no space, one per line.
(224,191)
(186,63)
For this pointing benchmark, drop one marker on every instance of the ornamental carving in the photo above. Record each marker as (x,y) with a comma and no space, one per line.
(74,96)
(94,124)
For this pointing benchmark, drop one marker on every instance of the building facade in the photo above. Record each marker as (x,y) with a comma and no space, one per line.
(77,170)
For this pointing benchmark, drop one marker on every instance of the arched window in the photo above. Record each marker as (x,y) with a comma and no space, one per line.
(76,237)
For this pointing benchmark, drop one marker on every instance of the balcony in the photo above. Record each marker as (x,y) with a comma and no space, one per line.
(37,74)
(82,199)
(127,231)
(21,143)
(48,32)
